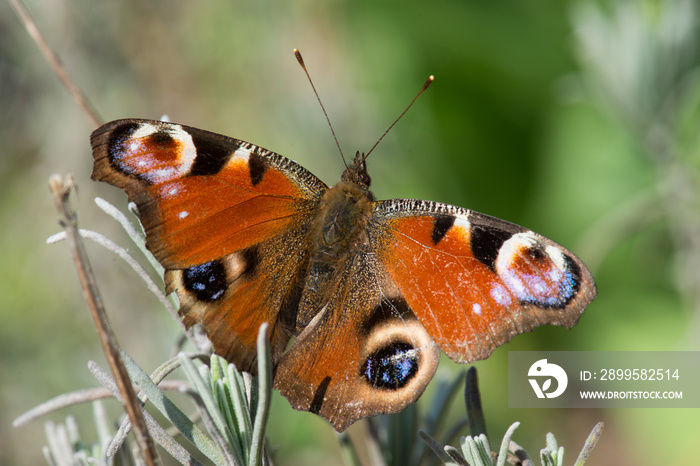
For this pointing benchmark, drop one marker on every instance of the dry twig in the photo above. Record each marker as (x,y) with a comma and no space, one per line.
(60,189)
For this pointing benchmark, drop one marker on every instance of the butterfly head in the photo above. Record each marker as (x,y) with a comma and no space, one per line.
(357,172)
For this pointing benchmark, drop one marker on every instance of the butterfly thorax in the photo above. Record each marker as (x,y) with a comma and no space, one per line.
(336,236)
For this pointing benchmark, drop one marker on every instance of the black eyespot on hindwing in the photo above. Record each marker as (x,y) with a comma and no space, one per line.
(441,225)
(206,281)
(391,367)
(212,156)
(486,242)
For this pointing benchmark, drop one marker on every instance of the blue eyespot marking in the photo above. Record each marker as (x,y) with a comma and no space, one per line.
(391,367)
(207,281)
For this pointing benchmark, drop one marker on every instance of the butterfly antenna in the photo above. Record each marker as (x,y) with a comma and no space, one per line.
(308,76)
(425,86)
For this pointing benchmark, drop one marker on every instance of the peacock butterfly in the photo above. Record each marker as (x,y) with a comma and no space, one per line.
(359,293)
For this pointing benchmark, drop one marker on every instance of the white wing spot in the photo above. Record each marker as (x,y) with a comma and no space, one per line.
(461,226)
(189,151)
(461,221)
(242,153)
(143,131)
(556,256)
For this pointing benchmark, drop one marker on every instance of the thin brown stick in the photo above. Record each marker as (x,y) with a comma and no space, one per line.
(78,397)
(60,189)
(54,61)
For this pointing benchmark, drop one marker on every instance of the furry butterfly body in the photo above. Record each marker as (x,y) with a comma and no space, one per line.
(360,294)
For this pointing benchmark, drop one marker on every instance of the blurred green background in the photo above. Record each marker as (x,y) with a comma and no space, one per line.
(577,119)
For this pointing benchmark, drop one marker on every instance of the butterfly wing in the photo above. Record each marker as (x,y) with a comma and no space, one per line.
(364,354)
(201,195)
(226,219)
(476,281)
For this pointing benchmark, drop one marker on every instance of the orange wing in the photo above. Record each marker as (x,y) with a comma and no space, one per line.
(475,281)
(201,196)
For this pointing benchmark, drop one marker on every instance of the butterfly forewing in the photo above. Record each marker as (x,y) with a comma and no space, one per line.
(475,281)
(201,195)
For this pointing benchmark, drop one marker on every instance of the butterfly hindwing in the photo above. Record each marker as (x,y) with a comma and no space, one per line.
(476,281)
(231,297)
(364,354)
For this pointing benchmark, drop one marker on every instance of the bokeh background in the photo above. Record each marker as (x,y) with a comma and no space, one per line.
(577,119)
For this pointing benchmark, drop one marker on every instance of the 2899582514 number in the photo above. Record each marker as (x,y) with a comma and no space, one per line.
(639,374)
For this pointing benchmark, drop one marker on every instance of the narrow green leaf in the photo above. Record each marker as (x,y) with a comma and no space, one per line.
(237,438)
(546,457)
(472,399)
(188,429)
(456,457)
(551,442)
(437,448)
(505,443)
(483,449)
(560,456)
(264,396)
(590,444)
